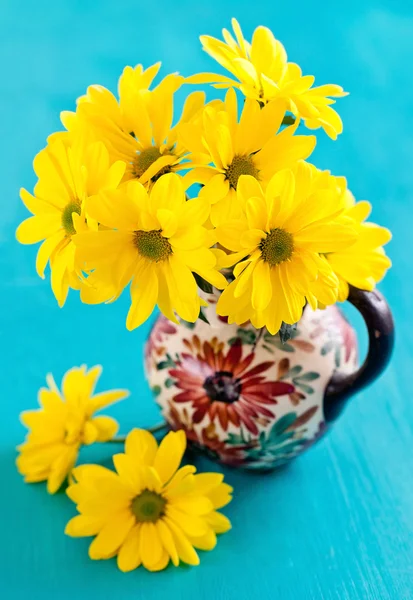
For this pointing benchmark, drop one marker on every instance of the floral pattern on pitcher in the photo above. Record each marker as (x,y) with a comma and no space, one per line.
(225,388)
(242,396)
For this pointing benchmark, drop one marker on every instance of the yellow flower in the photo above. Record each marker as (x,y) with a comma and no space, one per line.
(137,129)
(364,263)
(280,242)
(63,424)
(69,172)
(248,147)
(263,73)
(155,239)
(103,104)
(150,511)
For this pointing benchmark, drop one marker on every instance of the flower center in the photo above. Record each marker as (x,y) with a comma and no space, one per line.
(277,247)
(67,220)
(152,245)
(222,387)
(241,165)
(148,506)
(145,158)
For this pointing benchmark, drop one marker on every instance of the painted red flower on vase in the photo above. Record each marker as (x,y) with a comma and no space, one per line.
(225,388)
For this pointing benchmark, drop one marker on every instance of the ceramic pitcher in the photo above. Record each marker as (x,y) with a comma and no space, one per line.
(248,400)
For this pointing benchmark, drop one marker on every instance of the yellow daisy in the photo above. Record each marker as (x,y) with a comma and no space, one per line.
(364,263)
(102,103)
(149,512)
(68,173)
(223,148)
(155,239)
(280,242)
(63,424)
(262,72)
(138,129)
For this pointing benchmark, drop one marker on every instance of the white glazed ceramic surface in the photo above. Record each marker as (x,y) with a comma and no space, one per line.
(241,395)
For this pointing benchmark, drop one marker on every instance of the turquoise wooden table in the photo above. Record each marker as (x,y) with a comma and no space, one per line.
(338,523)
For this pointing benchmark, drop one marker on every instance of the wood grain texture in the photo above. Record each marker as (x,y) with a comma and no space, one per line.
(338,523)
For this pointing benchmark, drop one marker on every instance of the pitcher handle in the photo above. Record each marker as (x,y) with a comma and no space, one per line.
(380,326)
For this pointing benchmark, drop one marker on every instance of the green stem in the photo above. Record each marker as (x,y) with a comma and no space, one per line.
(120,439)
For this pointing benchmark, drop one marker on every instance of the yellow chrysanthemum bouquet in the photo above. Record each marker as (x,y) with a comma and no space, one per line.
(114,202)
(221,200)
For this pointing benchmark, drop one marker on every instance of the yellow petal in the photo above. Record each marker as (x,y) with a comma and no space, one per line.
(61,468)
(106,427)
(141,446)
(144,295)
(181,483)
(184,548)
(159,164)
(167,221)
(209,78)
(150,548)
(256,212)
(326,237)
(219,522)
(128,469)
(252,238)
(84,526)
(206,542)
(151,479)
(245,141)
(90,433)
(318,207)
(248,187)
(164,299)
(35,229)
(129,557)
(61,261)
(195,212)
(46,250)
(183,279)
(167,540)
(191,525)
(93,474)
(205,482)
(215,189)
(36,205)
(112,535)
(117,209)
(168,192)
(104,399)
(261,286)
(169,455)
(246,71)
(221,495)
(189,239)
(263,49)
(192,505)
(161,564)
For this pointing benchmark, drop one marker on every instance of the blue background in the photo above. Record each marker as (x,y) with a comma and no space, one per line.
(339,522)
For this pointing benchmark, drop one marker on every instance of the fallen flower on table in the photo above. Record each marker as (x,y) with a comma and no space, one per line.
(150,511)
(63,424)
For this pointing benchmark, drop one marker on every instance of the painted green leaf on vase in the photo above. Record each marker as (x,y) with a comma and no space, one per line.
(305,388)
(310,376)
(282,424)
(235,439)
(246,336)
(278,444)
(169,363)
